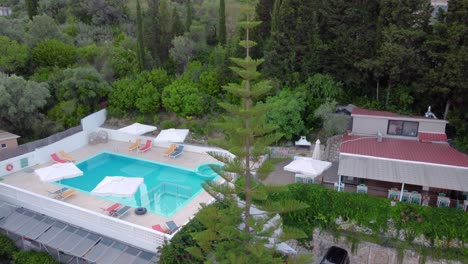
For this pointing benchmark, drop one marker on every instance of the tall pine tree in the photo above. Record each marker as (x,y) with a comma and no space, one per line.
(222,23)
(177,28)
(31,8)
(140,47)
(152,29)
(247,136)
(188,15)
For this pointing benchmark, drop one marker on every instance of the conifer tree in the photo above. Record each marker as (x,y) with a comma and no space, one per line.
(31,8)
(152,29)
(177,28)
(232,234)
(222,23)
(140,47)
(188,15)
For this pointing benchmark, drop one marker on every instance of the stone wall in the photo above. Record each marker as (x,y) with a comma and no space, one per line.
(332,149)
(366,252)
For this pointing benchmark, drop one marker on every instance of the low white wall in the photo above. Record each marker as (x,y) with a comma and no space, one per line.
(142,237)
(67,144)
(94,120)
(16,163)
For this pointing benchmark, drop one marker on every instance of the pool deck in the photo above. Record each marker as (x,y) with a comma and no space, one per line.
(28,180)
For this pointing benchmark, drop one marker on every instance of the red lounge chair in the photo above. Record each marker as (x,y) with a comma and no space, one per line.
(159,228)
(111,209)
(57,159)
(147,146)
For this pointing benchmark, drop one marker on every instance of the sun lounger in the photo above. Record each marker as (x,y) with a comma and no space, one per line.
(57,192)
(171,149)
(177,152)
(66,157)
(111,209)
(57,159)
(172,226)
(159,228)
(135,145)
(120,212)
(147,146)
(65,194)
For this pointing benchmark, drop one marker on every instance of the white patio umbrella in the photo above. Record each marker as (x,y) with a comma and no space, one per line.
(316,154)
(118,186)
(172,135)
(137,129)
(58,171)
(307,166)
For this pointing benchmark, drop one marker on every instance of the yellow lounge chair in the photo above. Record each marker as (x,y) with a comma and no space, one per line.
(171,149)
(66,157)
(65,194)
(135,145)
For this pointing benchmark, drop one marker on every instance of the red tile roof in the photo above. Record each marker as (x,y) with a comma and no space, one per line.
(432,137)
(401,149)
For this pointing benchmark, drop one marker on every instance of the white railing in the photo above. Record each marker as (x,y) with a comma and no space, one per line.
(142,237)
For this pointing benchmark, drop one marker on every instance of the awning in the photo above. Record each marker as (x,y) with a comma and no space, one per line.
(172,135)
(58,172)
(137,129)
(400,171)
(308,166)
(118,186)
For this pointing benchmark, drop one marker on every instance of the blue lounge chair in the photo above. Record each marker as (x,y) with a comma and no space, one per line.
(120,212)
(177,152)
(172,226)
(57,192)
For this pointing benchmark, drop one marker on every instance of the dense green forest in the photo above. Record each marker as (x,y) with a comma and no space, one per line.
(165,62)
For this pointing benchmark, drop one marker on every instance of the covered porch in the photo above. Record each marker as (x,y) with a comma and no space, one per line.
(409,181)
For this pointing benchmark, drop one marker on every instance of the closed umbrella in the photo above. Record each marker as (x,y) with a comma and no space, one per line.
(316,154)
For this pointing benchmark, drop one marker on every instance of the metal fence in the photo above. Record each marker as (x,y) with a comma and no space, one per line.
(31,146)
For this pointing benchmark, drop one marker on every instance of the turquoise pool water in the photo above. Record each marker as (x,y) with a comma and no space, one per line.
(165,190)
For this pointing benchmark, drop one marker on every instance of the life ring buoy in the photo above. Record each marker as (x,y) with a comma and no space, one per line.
(140,211)
(9,167)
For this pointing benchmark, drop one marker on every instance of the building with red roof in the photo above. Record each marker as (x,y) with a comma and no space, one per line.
(408,152)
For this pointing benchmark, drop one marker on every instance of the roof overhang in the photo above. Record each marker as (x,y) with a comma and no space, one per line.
(401,171)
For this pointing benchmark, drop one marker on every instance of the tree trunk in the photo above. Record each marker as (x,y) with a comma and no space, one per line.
(387,98)
(377,90)
(248,178)
(447,107)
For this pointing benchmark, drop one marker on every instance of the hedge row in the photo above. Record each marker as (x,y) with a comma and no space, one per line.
(9,251)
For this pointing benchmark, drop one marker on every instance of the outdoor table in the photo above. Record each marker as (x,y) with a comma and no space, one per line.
(440,199)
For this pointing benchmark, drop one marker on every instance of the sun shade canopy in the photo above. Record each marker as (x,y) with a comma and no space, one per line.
(58,172)
(118,186)
(137,129)
(172,135)
(307,166)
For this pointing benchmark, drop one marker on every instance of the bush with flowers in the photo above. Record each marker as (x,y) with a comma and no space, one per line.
(409,222)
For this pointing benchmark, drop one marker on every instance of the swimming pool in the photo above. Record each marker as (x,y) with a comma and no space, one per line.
(165,189)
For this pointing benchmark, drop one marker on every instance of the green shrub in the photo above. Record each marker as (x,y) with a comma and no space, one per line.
(7,248)
(168,124)
(175,251)
(33,257)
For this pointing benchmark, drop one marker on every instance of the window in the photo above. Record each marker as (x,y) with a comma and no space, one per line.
(4,145)
(402,128)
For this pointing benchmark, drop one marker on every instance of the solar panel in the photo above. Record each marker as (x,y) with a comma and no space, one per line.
(112,253)
(74,239)
(56,228)
(128,256)
(86,244)
(15,221)
(45,224)
(99,249)
(33,222)
(61,237)
(145,258)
